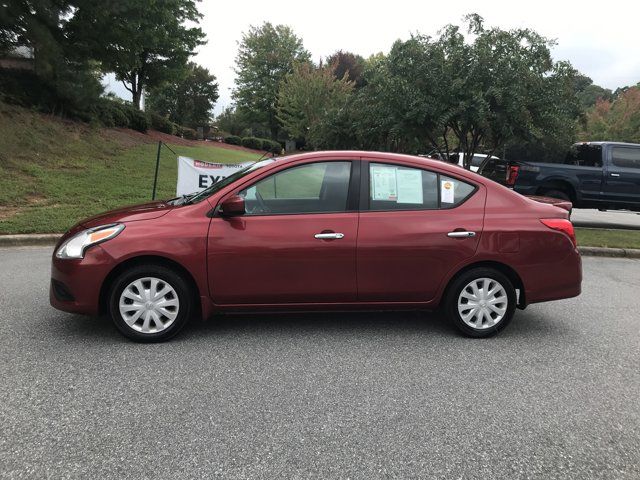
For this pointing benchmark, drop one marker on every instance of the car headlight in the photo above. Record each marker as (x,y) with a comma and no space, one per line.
(75,246)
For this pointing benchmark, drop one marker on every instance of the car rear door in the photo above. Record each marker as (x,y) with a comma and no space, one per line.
(295,244)
(415,226)
(622,184)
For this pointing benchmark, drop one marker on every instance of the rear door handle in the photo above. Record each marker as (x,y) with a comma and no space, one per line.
(461,234)
(329,236)
(614,174)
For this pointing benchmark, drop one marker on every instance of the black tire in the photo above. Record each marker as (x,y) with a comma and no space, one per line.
(560,194)
(462,281)
(179,285)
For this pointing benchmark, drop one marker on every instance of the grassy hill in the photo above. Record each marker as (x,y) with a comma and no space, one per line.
(54,172)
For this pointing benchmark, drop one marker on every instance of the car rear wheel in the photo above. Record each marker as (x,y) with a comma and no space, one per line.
(150,303)
(481,302)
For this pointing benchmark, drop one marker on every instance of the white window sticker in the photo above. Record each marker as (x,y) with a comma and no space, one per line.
(409,186)
(383,182)
(447,188)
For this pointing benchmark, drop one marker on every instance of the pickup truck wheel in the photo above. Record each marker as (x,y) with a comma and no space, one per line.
(481,302)
(557,194)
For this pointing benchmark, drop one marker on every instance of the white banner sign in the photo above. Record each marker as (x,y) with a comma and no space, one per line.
(195,175)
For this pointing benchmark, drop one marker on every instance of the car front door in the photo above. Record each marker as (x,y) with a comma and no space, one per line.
(622,184)
(415,226)
(296,243)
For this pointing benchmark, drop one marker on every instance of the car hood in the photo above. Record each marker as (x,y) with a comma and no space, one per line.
(133,213)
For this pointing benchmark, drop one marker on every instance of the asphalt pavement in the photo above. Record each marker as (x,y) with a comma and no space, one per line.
(615,219)
(359,395)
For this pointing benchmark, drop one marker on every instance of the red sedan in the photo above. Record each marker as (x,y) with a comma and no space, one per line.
(323,230)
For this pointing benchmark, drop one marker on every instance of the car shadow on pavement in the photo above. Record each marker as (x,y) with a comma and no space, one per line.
(434,324)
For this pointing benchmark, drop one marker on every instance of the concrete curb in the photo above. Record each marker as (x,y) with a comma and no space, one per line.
(46,239)
(609,252)
(28,240)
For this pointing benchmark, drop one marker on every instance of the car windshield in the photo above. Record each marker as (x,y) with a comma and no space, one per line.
(201,195)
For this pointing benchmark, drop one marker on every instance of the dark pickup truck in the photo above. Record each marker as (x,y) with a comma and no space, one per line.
(604,175)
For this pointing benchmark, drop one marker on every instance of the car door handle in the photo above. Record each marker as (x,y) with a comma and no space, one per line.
(461,234)
(329,236)
(614,174)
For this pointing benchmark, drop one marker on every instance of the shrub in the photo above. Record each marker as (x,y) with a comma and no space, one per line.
(162,124)
(189,133)
(137,119)
(179,130)
(111,113)
(271,146)
(252,142)
(233,140)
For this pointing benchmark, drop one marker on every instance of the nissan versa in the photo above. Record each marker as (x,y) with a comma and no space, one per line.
(324,230)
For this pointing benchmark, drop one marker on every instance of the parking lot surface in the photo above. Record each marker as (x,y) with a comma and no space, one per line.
(359,395)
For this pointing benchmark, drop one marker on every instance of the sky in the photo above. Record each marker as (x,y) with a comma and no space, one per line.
(598,38)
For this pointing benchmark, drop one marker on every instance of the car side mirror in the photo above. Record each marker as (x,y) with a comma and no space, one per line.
(232,206)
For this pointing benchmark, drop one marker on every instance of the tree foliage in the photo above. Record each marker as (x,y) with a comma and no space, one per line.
(617,120)
(307,97)
(349,64)
(470,93)
(145,43)
(63,81)
(188,100)
(266,55)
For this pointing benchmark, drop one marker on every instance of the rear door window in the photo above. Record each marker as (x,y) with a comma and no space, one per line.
(626,157)
(396,187)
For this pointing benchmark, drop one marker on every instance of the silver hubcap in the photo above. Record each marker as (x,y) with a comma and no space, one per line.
(149,305)
(482,303)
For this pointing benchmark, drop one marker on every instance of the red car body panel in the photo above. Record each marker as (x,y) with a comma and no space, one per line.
(391,259)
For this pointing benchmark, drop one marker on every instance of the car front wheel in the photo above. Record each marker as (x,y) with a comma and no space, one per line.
(150,303)
(481,302)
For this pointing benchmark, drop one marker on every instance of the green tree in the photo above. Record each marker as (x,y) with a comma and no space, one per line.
(189,99)
(63,81)
(470,93)
(307,97)
(617,120)
(266,55)
(144,43)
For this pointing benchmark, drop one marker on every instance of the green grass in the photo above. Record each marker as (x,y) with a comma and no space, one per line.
(54,173)
(597,237)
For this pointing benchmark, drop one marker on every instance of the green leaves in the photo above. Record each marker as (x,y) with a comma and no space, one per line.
(266,55)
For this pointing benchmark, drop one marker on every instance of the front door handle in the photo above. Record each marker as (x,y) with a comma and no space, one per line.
(329,236)
(614,174)
(461,234)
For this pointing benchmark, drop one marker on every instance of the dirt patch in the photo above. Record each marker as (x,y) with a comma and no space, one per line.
(8,212)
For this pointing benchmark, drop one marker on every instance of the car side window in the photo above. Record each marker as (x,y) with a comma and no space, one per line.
(321,187)
(453,191)
(396,187)
(626,157)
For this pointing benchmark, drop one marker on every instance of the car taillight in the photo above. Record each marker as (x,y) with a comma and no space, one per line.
(562,225)
(512,175)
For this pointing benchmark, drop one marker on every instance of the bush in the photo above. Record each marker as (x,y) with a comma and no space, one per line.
(137,119)
(111,113)
(162,124)
(252,142)
(189,133)
(233,140)
(271,146)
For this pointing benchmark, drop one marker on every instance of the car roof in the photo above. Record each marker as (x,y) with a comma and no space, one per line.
(381,156)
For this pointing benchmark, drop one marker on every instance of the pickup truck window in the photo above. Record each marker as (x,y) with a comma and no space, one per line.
(626,157)
(585,155)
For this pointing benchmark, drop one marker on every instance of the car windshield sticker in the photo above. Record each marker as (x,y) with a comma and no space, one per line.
(409,185)
(447,191)
(383,182)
